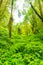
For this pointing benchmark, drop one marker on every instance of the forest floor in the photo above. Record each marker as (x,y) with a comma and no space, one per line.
(20,50)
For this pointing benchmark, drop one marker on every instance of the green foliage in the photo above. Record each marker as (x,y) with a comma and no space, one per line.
(20,50)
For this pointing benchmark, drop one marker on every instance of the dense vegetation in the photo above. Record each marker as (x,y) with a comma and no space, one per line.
(21,44)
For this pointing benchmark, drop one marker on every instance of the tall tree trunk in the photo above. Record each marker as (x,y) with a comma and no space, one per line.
(11,20)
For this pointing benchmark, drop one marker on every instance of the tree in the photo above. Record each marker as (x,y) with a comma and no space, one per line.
(11,20)
(36,12)
(1,2)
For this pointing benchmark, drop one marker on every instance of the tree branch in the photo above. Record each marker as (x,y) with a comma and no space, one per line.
(36,12)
